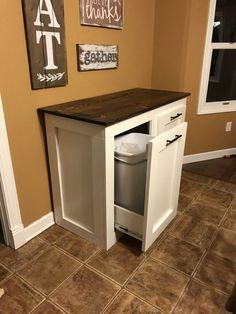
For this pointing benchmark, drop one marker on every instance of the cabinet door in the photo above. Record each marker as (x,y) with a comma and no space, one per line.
(164,166)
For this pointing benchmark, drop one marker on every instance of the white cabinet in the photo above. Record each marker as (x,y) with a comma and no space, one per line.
(81,158)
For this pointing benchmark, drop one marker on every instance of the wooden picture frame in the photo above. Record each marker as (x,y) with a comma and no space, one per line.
(102,13)
(97,57)
(45,35)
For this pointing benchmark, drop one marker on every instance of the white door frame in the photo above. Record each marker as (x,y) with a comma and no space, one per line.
(9,211)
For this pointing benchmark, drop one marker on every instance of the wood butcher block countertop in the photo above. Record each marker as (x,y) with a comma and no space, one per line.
(116,107)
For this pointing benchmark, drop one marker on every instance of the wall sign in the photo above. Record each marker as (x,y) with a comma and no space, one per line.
(97,57)
(104,13)
(45,33)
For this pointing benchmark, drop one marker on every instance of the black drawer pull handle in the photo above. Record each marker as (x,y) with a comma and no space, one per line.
(175,117)
(168,142)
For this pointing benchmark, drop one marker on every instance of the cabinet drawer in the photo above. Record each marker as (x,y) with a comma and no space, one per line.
(170,118)
(164,164)
(128,222)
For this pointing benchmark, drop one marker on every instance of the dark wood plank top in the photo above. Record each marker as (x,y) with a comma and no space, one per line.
(112,108)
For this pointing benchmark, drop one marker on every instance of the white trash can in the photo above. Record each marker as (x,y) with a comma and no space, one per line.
(130,171)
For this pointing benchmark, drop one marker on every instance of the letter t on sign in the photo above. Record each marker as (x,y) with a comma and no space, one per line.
(45,33)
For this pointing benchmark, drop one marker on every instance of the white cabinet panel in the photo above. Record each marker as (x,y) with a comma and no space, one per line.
(164,165)
(165,157)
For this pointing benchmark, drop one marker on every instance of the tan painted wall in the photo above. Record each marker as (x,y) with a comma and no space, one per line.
(20,102)
(178,54)
(176,64)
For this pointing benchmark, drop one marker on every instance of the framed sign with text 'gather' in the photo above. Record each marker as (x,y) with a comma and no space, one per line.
(45,34)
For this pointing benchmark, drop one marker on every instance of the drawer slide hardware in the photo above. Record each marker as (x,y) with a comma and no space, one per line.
(129,232)
(168,142)
(175,117)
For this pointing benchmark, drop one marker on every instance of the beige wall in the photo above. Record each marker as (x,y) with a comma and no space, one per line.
(175,58)
(135,43)
(178,53)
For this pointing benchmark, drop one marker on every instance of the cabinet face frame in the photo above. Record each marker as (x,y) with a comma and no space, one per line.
(103,233)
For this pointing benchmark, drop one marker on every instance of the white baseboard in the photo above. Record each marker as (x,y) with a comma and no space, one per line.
(17,237)
(22,235)
(209,155)
(39,226)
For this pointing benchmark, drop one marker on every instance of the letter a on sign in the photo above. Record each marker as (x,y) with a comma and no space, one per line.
(45,33)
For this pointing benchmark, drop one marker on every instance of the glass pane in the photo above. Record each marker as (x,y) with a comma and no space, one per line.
(222,81)
(225,21)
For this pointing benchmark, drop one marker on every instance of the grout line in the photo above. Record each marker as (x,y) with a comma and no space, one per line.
(181,295)
(98,272)
(135,271)
(36,306)
(111,301)
(142,299)
(68,254)
(210,287)
(199,263)
(58,306)
(72,274)
(171,267)
(30,285)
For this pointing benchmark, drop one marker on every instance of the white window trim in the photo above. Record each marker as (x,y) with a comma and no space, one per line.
(212,107)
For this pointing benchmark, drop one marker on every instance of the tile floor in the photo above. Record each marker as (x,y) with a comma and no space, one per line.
(191,268)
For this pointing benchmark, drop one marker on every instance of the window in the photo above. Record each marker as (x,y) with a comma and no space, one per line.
(218,84)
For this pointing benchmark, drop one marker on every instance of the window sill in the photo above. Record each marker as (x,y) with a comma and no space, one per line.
(217,107)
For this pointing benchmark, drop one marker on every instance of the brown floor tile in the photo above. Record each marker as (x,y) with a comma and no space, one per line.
(125,302)
(206,212)
(18,297)
(198,298)
(233,177)
(16,259)
(49,270)
(77,246)
(196,177)
(85,292)
(194,231)
(216,198)
(117,263)
(158,284)
(219,168)
(47,308)
(53,233)
(217,272)
(190,188)
(233,204)
(230,220)
(225,245)
(223,186)
(184,202)
(178,254)
(4,273)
